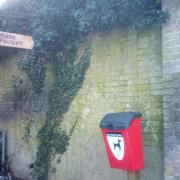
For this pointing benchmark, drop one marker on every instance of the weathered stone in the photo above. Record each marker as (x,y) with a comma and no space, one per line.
(121,82)
(171,86)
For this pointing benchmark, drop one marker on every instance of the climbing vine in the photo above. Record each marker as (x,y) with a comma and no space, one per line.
(68,79)
(59,27)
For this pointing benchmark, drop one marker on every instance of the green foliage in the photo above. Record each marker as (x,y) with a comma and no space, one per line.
(68,76)
(102,14)
(58,28)
(35,70)
(52,141)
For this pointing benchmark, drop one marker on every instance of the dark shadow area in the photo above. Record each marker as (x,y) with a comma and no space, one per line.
(5,171)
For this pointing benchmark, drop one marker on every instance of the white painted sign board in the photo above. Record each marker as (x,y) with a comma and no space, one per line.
(116,143)
(16,40)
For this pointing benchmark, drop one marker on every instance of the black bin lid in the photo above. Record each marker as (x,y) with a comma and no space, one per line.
(118,121)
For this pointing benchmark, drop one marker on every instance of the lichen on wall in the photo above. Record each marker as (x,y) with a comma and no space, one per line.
(125,75)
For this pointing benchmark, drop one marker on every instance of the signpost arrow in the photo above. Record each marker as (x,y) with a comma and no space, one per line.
(16,40)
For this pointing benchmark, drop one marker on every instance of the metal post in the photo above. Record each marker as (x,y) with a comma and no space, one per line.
(133,175)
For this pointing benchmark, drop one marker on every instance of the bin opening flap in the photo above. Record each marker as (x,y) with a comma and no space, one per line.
(118,121)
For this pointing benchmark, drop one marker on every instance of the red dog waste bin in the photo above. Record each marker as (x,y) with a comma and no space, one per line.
(122,134)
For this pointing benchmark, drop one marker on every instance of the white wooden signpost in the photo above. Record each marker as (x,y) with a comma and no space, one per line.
(16,40)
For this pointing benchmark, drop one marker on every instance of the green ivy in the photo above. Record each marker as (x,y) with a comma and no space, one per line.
(59,27)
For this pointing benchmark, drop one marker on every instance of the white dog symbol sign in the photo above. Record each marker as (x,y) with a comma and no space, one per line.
(116,143)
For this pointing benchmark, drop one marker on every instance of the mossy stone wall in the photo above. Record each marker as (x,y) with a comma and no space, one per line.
(125,75)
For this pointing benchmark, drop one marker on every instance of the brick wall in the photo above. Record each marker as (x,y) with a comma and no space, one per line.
(125,75)
(7,69)
(171,86)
